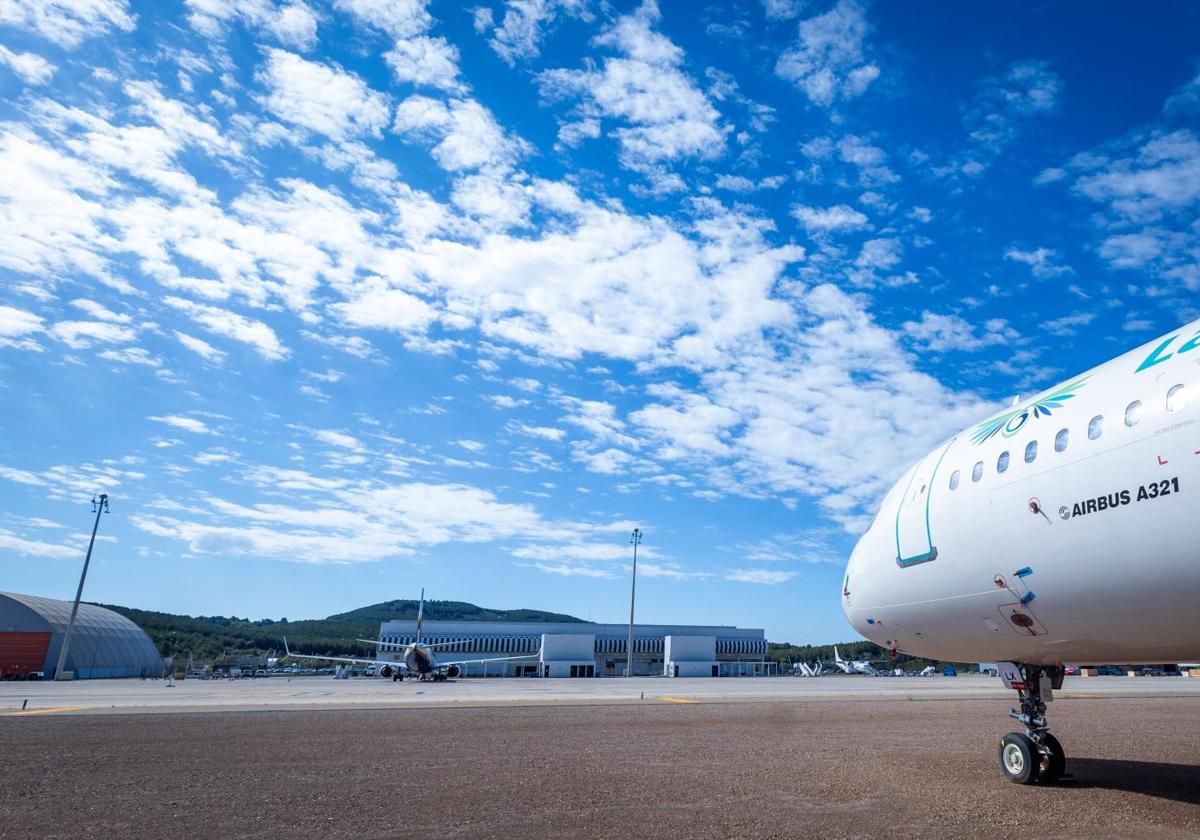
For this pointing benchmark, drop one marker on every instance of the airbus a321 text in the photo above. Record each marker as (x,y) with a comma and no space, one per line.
(1064,529)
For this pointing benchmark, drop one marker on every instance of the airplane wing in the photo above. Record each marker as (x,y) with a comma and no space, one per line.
(441,664)
(350,660)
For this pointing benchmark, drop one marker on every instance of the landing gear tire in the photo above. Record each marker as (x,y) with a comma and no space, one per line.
(1052,766)
(1019,758)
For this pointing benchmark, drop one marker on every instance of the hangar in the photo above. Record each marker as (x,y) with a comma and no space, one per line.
(103,643)
(580,649)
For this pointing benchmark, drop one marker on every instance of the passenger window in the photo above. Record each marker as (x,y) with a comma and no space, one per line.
(977,473)
(954,477)
(1002,462)
(1031,452)
(1133,414)
(1176,398)
(1061,440)
(1096,427)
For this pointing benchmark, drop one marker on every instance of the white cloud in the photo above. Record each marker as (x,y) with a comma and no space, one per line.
(520,31)
(940,333)
(131,356)
(10,542)
(232,325)
(1068,324)
(292,22)
(1040,261)
(375,306)
(544,432)
(742,184)
(338,439)
(99,311)
(201,347)
(68,22)
(187,424)
(782,9)
(829,62)
(16,325)
(431,62)
(769,577)
(30,67)
(343,521)
(464,134)
(1004,104)
(321,98)
(80,335)
(471,445)
(818,220)
(664,115)
(398,18)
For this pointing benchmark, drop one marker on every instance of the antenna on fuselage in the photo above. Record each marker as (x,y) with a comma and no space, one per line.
(1016,399)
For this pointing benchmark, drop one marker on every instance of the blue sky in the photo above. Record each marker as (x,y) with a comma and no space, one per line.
(339,300)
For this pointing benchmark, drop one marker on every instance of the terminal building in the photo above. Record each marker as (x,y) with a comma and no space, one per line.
(572,649)
(103,643)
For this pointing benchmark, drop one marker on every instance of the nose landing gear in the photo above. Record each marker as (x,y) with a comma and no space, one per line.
(1033,755)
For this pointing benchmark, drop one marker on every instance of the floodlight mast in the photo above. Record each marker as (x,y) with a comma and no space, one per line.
(99,506)
(635,538)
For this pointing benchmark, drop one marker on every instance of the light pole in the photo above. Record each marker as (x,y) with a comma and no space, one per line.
(99,506)
(635,538)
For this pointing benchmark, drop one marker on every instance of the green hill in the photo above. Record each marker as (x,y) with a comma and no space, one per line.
(448,611)
(209,637)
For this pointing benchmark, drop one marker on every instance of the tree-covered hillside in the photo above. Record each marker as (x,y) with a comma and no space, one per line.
(786,653)
(448,611)
(209,637)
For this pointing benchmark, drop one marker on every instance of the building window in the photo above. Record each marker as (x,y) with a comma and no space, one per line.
(1133,413)
(1031,452)
(1061,440)
(1002,462)
(954,477)
(1176,398)
(1096,427)
(977,472)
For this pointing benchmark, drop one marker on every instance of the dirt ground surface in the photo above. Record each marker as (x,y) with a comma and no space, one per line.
(686,770)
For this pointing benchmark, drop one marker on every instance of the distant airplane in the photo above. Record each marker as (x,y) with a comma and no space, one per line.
(418,659)
(861,667)
(1063,529)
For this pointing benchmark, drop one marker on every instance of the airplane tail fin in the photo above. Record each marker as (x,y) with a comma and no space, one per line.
(286,652)
(420,614)
(837,657)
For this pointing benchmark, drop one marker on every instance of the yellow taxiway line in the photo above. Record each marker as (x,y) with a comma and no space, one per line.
(50,711)
(676,700)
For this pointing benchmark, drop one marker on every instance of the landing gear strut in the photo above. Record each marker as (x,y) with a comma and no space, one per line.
(1033,755)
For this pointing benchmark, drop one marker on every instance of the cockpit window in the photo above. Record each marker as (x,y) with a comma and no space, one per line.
(1031,452)
(1096,427)
(954,478)
(1002,462)
(977,472)
(1061,440)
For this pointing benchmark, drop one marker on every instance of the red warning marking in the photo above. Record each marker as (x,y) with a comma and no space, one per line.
(999,582)
(1161,462)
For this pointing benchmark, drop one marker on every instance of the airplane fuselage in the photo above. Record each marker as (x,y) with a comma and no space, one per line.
(1065,529)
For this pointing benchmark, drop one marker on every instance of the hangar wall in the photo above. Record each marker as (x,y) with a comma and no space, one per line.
(103,643)
(733,650)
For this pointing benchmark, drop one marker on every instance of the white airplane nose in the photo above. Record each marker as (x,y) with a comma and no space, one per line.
(859,593)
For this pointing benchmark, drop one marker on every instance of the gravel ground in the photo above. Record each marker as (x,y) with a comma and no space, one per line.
(817,769)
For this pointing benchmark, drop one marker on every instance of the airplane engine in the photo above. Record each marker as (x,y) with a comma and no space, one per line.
(386,671)
(453,671)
